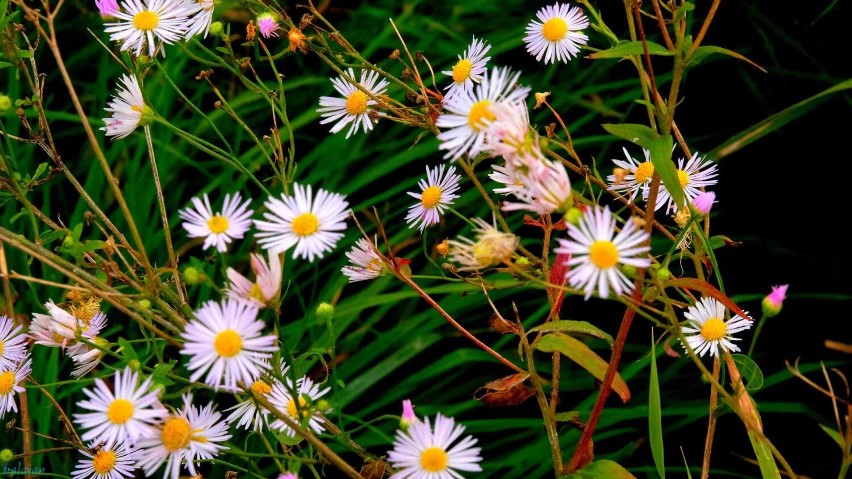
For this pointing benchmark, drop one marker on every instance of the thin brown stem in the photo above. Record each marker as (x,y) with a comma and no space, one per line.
(711,421)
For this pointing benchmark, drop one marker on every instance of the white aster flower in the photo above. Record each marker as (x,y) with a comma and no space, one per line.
(284,397)
(217,229)
(365,262)
(436,194)
(266,285)
(121,414)
(490,248)
(185,437)
(312,224)
(423,453)
(200,19)
(10,380)
(556,35)
(128,109)
(706,329)
(698,173)
(596,252)
(544,189)
(468,69)
(247,413)
(632,176)
(225,341)
(116,462)
(466,115)
(13,342)
(355,105)
(144,21)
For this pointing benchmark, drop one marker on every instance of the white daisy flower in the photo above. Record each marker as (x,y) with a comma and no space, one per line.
(436,194)
(423,453)
(310,223)
(490,248)
(225,342)
(201,18)
(466,115)
(247,413)
(355,105)
(556,35)
(468,69)
(696,174)
(632,176)
(116,462)
(284,397)
(510,178)
(266,285)
(185,437)
(709,331)
(143,21)
(10,380)
(122,413)
(128,109)
(13,342)
(365,262)
(221,228)
(59,328)
(596,252)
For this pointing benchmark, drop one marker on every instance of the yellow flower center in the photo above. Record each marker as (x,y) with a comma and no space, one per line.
(683,177)
(257,293)
(120,411)
(218,224)
(294,411)
(478,112)
(603,254)
(7,380)
(554,29)
(103,462)
(356,103)
(261,387)
(433,459)
(714,329)
(430,197)
(305,224)
(146,20)
(644,172)
(228,343)
(461,71)
(1,348)
(175,434)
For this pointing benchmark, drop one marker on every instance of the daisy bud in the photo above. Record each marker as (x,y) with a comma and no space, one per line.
(144,304)
(408,415)
(192,275)
(6,455)
(5,103)
(325,312)
(288,475)
(773,302)
(573,216)
(216,29)
(663,274)
(703,202)
(107,7)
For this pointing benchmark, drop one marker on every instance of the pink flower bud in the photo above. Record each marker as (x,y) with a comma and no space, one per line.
(773,302)
(267,24)
(408,415)
(107,7)
(703,202)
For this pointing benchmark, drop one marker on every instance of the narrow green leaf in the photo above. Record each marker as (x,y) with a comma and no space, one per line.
(574,327)
(655,415)
(751,374)
(661,157)
(704,51)
(686,464)
(603,469)
(776,121)
(768,467)
(569,416)
(632,132)
(127,350)
(577,351)
(40,169)
(25,54)
(626,49)
(834,435)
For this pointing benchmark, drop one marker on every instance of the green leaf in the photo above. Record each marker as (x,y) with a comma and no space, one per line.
(288,440)
(776,121)
(655,415)
(632,132)
(751,374)
(833,435)
(25,54)
(40,169)
(569,416)
(574,327)
(577,351)
(768,467)
(661,156)
(127,350)
(603,469)
(703,52)
(627,49)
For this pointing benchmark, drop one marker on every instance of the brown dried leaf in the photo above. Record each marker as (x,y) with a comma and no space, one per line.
(374,469)
(499,324)
(507,391)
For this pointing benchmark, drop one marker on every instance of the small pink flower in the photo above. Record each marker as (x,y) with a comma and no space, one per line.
(408,415)
(267,24)
(703,202)
(773,302)
(288,475)
(107,7)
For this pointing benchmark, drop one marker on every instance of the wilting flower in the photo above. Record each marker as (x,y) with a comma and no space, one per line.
(490,248)
(128,109)
(365,263)
(266,285)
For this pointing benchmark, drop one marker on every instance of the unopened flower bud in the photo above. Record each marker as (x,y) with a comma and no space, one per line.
(192,275)
(703,202)
(408,416)
(325,312)
(216,29)
(773,302)
(5,103)
(6,455)
(573,216)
